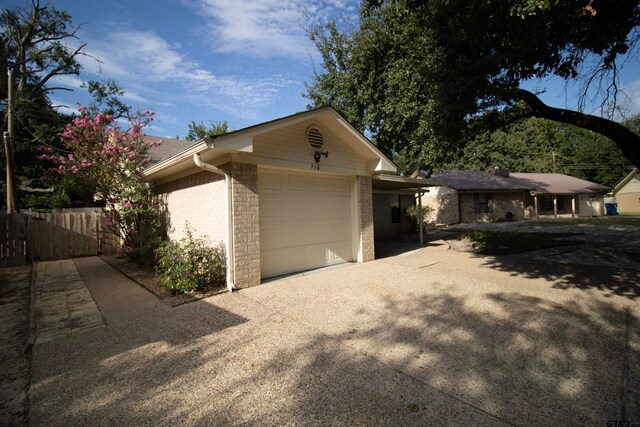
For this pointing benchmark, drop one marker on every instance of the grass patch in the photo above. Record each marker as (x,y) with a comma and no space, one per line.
(506,243)
(603,220)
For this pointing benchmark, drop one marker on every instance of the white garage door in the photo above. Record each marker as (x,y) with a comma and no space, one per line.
(305,221)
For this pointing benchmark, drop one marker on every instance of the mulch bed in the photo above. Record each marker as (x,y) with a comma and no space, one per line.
(147,278)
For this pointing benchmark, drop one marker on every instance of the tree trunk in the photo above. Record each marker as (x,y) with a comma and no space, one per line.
(627,140)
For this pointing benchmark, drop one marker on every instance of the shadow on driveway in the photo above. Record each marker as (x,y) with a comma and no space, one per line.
(523,361)
(608,280)
(373,343)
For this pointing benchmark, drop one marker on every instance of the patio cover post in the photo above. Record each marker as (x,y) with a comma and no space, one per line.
(573,206)
(555,206)
(535,205)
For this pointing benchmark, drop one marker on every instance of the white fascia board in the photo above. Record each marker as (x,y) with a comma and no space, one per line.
(378,162)
(177,165)
(177,158)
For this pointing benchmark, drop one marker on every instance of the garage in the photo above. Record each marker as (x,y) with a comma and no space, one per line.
(305,221)
(284,196)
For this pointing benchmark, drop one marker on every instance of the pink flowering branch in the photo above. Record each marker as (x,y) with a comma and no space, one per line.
(113,160)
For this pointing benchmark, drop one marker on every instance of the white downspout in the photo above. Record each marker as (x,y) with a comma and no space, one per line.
(230,264)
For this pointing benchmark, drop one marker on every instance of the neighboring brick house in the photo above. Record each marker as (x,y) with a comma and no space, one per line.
(627,193)
(477,196)
(284,196)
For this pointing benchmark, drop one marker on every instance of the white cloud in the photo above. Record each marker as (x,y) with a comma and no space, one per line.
(630,100)
(266,28)
(71,82)
(132,96)
(64,107)
(145,60)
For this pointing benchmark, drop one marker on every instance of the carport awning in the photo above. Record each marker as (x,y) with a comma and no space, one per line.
(394,182)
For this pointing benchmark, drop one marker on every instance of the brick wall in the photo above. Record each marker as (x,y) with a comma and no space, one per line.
(246,224)
(501,202)
(365,218)
(444,204)
(199,199)
(628,202)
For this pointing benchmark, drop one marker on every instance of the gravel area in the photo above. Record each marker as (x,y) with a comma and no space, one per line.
(428,337)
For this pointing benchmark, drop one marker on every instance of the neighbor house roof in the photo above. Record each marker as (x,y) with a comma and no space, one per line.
(218,149)
(558,183)
(395,182)
(480,181)
(538,183)
(626,180)
(168,148)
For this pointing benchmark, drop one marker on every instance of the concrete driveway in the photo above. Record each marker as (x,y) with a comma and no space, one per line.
(434,337)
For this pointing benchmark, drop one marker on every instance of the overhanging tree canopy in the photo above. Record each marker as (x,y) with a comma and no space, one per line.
(414,73)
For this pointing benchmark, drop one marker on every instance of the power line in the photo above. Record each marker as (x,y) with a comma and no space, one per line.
(35,138)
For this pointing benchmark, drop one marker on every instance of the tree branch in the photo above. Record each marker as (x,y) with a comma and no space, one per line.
(627,140)
(57,70)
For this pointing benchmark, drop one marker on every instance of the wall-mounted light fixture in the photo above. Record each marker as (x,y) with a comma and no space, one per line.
(319,154)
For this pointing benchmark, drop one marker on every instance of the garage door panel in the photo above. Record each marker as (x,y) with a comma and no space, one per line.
(296,182)
(287,260)
(283,234)
(270,181)
(337,230)
(339,185)
(339,252)
(271,207)
(305,221)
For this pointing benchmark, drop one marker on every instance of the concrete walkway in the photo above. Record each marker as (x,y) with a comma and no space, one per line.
(430,338)
(63,302)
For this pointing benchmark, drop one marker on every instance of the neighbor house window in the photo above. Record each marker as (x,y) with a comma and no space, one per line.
(396,210)
(482,203)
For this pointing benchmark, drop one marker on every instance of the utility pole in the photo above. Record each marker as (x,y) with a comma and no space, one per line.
(8,146)
(555,169)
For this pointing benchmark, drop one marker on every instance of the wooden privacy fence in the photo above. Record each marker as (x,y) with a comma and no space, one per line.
(13,240)
(60,234)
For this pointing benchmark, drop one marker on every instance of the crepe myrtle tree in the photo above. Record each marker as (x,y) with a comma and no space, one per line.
(112,160)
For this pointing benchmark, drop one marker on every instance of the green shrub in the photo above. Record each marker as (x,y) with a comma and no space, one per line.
(414,214)
(191,264)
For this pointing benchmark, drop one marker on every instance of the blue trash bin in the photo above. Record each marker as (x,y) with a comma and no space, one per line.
(611,208)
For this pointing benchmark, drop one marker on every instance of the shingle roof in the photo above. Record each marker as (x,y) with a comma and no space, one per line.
(558,183)
(168,148)
(540,183)
(479,180)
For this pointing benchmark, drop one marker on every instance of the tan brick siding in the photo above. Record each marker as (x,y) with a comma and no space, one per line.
(365,218)
(444,204)
(246,224)
(501,203)
(199,199)
(628,202)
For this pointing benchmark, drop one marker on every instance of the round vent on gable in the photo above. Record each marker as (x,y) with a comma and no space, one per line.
(315,138)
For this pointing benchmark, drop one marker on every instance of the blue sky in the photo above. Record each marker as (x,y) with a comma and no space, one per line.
(244,61)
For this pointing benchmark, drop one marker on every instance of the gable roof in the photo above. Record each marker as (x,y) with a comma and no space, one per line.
(538,183)
(218,149)
(635,172)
